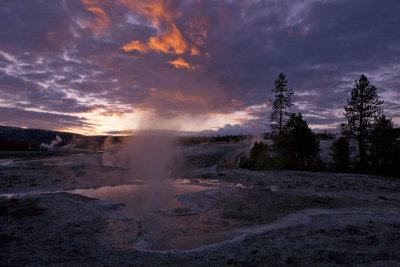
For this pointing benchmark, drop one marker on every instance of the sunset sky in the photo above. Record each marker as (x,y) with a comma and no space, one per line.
(113,66)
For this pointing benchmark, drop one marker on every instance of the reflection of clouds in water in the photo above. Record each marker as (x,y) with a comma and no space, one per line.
(136,197)
(150,157)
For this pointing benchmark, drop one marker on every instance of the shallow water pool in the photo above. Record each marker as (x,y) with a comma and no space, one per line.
(144,197)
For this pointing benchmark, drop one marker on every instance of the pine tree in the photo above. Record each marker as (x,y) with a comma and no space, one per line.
(385,147)
(362,108)
(341,154)
(280,104)
(298,146)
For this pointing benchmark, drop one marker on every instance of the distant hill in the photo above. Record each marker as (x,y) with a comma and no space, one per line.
(14,138)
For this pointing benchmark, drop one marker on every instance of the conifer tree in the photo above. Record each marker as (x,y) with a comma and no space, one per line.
(280,105)
(385,147)
(363,106)
(298,145)
(341,154)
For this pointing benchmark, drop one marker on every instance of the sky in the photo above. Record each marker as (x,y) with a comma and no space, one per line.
(118,66)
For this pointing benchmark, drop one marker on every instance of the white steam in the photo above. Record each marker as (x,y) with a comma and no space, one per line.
(149,158)
(53,143)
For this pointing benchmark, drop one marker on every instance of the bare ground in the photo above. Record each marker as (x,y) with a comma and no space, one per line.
(251,218)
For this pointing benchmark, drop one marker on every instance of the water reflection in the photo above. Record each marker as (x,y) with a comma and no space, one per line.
(142,198)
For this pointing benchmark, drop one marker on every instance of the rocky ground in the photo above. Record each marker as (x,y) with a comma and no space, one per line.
(244,218)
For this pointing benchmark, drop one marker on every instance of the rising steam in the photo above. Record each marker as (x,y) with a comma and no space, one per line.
(147,157)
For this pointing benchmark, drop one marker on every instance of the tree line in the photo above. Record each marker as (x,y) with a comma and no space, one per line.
(369,142)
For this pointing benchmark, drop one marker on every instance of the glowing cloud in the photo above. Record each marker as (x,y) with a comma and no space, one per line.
(100,21)
(170,40)
(181,63)
(156,10)
(189,58)
(195,51)
(184,98)
(135,45)
(197,30)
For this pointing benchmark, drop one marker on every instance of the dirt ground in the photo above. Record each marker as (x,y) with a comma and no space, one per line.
(242,218)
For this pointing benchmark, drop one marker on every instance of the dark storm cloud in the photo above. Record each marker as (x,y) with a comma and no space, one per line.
(40,120)
(26,93)
(196,57)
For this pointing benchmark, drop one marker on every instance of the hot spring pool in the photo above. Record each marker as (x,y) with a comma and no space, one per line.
(139,198)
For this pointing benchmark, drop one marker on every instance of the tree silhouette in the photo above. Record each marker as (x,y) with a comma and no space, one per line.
(259,156)
(385,147)
(280,104)
(362,107)
(341,154)
(298,146)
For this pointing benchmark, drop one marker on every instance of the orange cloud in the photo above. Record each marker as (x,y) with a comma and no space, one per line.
(156,96)
(157,10)
(153,91)
(100,21)
(170,40)
(135,45)
(197,30)
(181,63)
(181,97)
(195,51)
(197,33)
(91,2)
